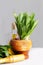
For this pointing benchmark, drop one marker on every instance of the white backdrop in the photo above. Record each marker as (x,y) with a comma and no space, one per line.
(8,7)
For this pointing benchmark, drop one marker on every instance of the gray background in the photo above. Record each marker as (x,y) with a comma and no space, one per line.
(8,7)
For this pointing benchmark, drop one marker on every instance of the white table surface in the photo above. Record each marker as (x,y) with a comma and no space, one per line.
(36,58)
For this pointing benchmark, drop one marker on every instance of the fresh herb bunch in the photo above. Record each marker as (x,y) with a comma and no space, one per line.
(4,50)
(25,24)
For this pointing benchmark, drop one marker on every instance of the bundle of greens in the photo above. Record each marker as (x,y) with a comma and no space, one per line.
(4,50)
(25,24)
